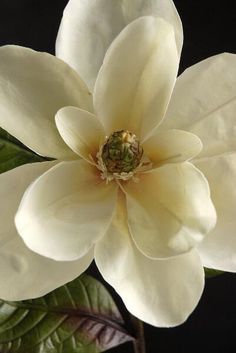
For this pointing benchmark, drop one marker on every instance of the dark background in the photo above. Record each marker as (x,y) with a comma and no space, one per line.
(209,28)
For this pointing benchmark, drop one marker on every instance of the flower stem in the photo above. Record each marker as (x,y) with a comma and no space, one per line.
(139,342)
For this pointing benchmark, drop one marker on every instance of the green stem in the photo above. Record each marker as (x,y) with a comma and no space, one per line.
(139,343)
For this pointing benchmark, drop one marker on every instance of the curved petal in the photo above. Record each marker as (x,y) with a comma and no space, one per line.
(33,87)
(169,210)
(204,103)
(171,146)
(92,25)
(157,8)
(54,217)
(135,82)
(160,292)
(20,268)
(81,131)
(218,250)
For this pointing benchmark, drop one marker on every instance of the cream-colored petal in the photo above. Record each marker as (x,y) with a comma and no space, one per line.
(157,8)
(94,24)
(169,210)
(81,131)
(171,146)
(218,250)
(160,292)
(27,275)
(24,274)
(65,211)
(136,79)
(204,103)
(33,87)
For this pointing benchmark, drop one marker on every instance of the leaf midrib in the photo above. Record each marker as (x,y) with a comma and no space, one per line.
(100,318)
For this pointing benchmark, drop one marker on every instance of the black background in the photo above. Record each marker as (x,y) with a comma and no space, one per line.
(209,28)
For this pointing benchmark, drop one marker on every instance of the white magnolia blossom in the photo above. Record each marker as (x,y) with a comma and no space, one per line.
(148,216)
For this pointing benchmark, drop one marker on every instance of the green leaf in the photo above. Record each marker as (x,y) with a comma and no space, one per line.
(80,317)
(13,153)
(210,272)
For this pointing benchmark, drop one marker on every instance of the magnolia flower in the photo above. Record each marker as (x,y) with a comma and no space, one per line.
(130,188)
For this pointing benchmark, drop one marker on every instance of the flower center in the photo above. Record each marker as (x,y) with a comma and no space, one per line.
(120,155)
(122,152)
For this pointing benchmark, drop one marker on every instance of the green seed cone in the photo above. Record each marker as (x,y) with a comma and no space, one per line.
(122,152)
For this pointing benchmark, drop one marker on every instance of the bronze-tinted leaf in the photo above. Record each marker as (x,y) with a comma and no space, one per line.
(80,317)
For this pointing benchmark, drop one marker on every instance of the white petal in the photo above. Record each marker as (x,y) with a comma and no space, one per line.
(65,211)
(171,146)
(81,130)
(169,210)
(24,274)
(204,103)
(33,87)
(157,8)
(88,28)
(135,82)
(218,250)
(160,292)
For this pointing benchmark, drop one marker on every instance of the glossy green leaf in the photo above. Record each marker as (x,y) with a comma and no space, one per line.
(210,272)
(13,153)
(80,317)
